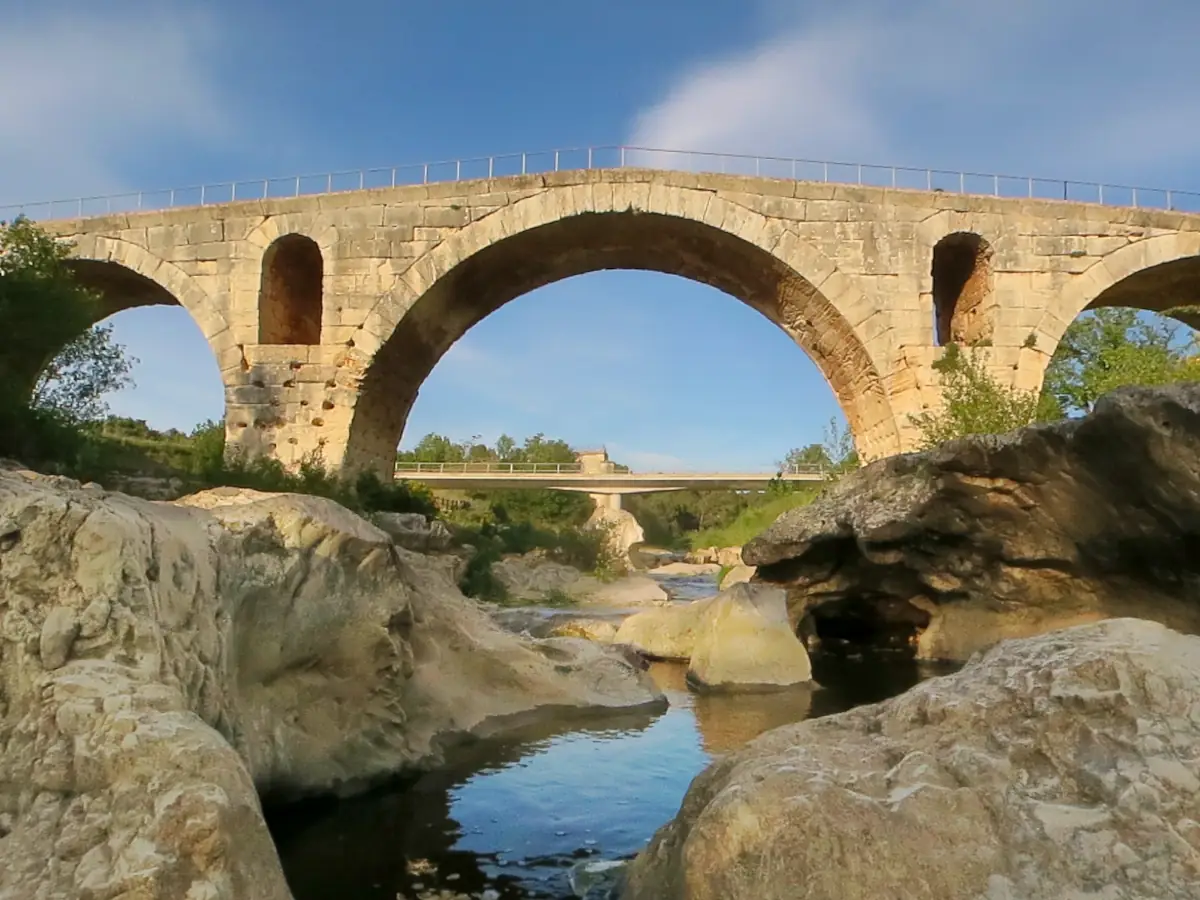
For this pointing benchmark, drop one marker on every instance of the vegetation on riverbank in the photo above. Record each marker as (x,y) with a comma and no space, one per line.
(753,519)
(1101,350)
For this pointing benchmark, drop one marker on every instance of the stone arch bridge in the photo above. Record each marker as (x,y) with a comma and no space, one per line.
(326,313)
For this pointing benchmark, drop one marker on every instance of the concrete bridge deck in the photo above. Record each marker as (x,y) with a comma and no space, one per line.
(575,477)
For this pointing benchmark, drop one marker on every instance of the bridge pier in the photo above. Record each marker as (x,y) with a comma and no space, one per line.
(606,501)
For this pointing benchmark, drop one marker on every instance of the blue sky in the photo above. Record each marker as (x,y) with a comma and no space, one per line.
(669,374)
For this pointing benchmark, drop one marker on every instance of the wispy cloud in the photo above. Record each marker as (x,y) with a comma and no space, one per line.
(90,88)
(950,84)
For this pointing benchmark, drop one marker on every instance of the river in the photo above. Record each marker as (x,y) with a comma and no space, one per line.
(545,812)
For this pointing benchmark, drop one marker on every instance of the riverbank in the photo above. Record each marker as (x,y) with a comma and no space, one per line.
(553,812)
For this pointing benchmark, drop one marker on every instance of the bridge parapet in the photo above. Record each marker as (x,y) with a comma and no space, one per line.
(575,159)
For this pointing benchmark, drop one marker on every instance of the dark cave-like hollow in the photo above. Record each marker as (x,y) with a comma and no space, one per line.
(852,624)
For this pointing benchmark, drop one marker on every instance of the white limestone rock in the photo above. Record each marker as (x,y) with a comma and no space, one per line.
(161,663)
(1065,765)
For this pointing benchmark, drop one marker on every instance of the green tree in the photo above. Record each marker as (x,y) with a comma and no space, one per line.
(812,455)
(1110,348)
(836,452)
(538,449)
(54,367)
(433,448)
(506,447)
(42,307)
(208,449)
(973,401)
(74,383)
(838,444)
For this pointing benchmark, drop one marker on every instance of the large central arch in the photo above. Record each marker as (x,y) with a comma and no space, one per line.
(468,277)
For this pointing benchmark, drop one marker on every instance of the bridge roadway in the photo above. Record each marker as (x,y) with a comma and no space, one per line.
(577,477)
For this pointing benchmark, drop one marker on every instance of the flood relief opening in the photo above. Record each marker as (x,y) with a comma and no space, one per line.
(290,299)
(961,287)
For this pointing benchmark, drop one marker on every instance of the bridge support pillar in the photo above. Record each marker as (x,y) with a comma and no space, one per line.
(295,403)
(606,501)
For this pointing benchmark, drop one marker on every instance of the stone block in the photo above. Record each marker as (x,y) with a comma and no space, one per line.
(444,216)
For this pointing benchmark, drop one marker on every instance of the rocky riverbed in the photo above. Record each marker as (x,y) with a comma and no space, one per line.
(163,665)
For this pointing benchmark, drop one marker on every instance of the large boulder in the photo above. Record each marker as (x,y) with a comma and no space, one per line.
(620,593)
(414,531)
(534,578)
(163,663)
(666,632)
(1065,765)
(736,575)
(718,556)
(1002,536)
(740,639)
(622,532)
(745,642)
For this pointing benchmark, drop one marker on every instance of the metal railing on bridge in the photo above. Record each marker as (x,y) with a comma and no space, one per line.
(519,468)
(616,156)
(489,468)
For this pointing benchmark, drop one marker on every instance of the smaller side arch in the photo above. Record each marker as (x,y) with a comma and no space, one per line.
(1154,274)
(291,295)
(961,270)
(157,281)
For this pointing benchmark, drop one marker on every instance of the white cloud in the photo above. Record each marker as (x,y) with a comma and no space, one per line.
(792,93)
(1014,86)
(89,88)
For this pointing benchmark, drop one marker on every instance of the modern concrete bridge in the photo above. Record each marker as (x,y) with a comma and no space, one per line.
(327,301)
(606,485)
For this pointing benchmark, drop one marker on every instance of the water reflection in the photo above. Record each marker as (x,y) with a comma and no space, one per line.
(516,815)
(727,721)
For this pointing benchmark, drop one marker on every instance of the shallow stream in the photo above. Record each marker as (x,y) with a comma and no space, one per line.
(543,812)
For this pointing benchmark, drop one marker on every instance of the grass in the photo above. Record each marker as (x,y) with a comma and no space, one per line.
(752,521)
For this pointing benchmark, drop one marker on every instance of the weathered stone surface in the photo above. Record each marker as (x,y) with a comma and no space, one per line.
(160,663)
(533,578)
(626,591)
(746,642)
(667,632)
(993,537)
(601,630)
(622,531)
(847,271)
(717,556)
(737,575)
(413,531)
(741,638)
(1060,766)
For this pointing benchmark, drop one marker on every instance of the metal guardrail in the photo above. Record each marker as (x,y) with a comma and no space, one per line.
(467,468)
(616,156)
(534,469)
